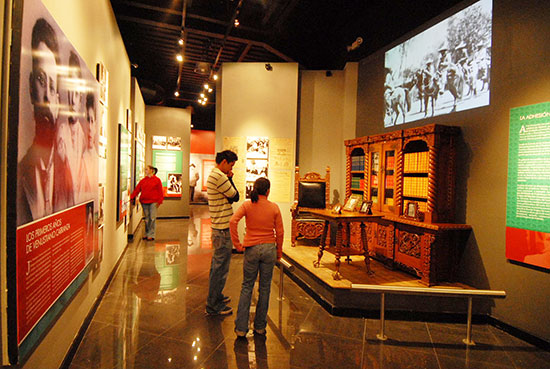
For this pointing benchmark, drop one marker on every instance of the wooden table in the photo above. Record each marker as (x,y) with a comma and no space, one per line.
(343,219)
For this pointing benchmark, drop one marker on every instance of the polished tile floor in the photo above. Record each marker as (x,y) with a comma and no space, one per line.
(152,316)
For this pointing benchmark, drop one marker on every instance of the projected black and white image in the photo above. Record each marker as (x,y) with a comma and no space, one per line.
(442,70)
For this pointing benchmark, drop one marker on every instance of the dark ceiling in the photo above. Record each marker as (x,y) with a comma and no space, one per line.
(313,33)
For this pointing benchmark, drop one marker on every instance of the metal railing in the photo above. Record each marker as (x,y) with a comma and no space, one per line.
(282,263)
(425,291)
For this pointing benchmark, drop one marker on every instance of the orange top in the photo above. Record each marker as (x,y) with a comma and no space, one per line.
(264,224)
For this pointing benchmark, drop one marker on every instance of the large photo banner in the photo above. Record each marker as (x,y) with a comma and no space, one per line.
(444,69)
(528,193)
(57,175)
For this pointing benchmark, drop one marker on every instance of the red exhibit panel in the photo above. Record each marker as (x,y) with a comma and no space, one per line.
(51,253)
(526,246)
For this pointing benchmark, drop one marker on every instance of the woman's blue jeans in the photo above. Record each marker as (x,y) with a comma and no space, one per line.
(257,259)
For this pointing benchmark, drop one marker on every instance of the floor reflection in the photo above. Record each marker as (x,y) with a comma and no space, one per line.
(152,316)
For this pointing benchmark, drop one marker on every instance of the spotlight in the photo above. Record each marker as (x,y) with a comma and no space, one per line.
(236,22)
(180,41)
(135,65)
(209,90)
(215,76)
(201,95)
(268,67)
(176,94)
(179,58)
(206,87)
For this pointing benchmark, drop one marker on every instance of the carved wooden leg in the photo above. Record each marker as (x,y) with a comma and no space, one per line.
(336,275)
(348,243)
(293,234)
(322,246)
(365,245)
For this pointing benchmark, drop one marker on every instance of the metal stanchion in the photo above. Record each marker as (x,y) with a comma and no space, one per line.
(381,336)
(468,339)
(282,265)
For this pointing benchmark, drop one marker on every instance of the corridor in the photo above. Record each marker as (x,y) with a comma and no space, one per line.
(153,316)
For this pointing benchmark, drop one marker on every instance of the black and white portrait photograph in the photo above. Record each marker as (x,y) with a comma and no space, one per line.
(442,70)
(174,184)
(257,147)
(255,168)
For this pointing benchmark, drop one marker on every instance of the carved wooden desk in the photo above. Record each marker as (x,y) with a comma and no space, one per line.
(342,220)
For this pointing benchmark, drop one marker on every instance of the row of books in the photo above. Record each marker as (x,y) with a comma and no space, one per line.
(357,183)
(416,162)
(415,186)
(357,163)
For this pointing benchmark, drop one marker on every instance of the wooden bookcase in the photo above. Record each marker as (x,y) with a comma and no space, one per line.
(409,175)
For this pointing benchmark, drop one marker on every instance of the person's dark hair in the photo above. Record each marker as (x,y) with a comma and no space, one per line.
(90,101)
(42,31)
(261,186)
(155,170)
(228,155)
(74,62)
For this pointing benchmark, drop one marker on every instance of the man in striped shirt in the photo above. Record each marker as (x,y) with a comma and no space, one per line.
(221,194)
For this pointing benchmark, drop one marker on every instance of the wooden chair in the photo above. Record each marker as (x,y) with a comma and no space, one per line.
(310,192)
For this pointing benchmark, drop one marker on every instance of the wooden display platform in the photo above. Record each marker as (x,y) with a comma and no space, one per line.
(338,297)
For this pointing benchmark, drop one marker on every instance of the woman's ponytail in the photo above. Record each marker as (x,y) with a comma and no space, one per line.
(261,186)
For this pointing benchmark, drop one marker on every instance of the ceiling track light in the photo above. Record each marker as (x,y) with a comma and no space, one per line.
(176,94)
(268,67)
(179,58)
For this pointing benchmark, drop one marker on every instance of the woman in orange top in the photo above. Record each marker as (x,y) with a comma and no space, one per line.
(263,246)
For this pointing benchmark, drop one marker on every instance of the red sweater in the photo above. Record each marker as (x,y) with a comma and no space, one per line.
(264,224)
(151,190)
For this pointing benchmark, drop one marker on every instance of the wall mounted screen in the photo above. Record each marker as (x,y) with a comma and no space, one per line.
(444,69)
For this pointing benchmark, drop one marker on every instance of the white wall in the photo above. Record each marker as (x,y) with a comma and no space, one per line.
(327,118)
(175,122)
(255,102)
(92,29)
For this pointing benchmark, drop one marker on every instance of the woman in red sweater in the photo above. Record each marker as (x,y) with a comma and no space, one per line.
(263,246)
(151,197)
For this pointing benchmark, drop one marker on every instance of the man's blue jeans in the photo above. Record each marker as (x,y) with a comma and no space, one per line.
(150,212)
(219,269)
(257,259)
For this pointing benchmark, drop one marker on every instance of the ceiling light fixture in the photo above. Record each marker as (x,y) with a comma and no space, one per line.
(176,94)
(268,67)
(180,41)
(209,90)
(206,87)
(236,23)
(179,58)
(215,77)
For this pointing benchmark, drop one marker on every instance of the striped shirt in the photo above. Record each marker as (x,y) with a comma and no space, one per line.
(219,189)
